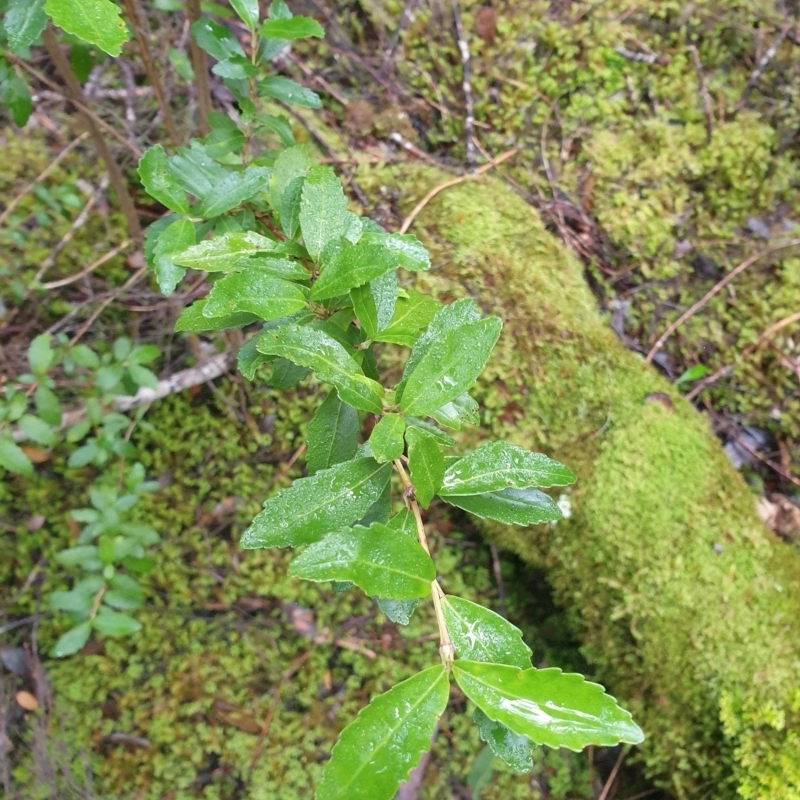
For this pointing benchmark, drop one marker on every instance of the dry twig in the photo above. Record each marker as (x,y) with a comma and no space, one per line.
(713,291)
(469,120)
(763,64)
(708,108)
(91,268)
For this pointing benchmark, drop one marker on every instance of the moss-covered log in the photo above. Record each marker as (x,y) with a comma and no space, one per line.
(687,607)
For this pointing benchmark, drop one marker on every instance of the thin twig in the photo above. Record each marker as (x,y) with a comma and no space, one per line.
(612,777)
(77,224)
(134,16)
(200,66)
(75,93)
(466,85)
(708,108)
(498,577)
(91,268)
(632,55)
(713,291)
(454,182)
(762,65)
(408,14)
(42,175)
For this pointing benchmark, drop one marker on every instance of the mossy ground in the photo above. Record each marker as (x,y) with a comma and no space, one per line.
(686,606)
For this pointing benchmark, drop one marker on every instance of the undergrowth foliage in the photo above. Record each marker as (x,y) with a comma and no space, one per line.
(282,249)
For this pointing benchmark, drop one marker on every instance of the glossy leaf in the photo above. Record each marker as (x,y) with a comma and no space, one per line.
(386,441)
(425,463)
(254,292)
(463,409)
(450,366)
(196,171)
(380,560)
(72,641)
(323,210)
(499,465)
(332,434)
(512,748)
(175,239)
(216,40)
(247,11)
(95,21)
(315,506)
(291,29)
(37,430)
(280,126)
(226,253)
(236,189)
(378,750)
(350,265)
(24,21)
(510,506)
(374,303)
(192,320)
(160,183)
(225,136)
(290,169)
(289,92)
(285,374)
(547,706)
(13,458)
(398,611)
(481,635)
(411,254)
(14,95)
(112,623)
(404,522)
(40,354)
(440,437)
(317,350)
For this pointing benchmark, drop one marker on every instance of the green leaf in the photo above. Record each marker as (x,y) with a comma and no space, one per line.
(71,602)
(285,374)
(47,405)
(440,437)
(125,593)
(192,320)
(323,210)
(547,706)
(499,465)
(40,354)
(225,136)
(254,292)
(481,772)
(410,253)
(226,253)
(317,350)
(291,29)
(289,92)
(72,641)
(425,463)
(514,749)
(398,611)
(196,171)
(380,560)
(332,434)
(481,635)
(159,182)
(216,40)
(84,356)
(312,507)
(13,459)
(280,126)
(95,21)
(247,11)
(374,303)
(445,320)
(510,506)
(458,411)
(16,98)
(378,750)
(234,190)
(347,265)
(289,170)
(174,239)
(112,623)
(248,360)
(694,373)
(81,556)
(24,21)
(83,455)
(386,441)
(37,430)
(142,376)
(450,366)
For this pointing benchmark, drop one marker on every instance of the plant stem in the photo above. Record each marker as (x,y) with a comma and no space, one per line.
(133,11)
(446,648)
(200,67)
(75,91)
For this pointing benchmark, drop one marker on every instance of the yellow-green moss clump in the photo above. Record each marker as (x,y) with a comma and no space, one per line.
(688,609)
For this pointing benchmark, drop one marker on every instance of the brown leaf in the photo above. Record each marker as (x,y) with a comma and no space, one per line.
(486,24)
(26,700)
(36,454)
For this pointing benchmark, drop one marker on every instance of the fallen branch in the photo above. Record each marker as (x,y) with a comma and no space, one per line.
(469,120)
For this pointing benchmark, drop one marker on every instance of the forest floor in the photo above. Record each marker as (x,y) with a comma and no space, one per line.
(660,142)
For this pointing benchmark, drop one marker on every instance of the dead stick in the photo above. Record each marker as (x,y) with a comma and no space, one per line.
(713,291)
(706,97)
(762,65)
(91,268)
(133,11)
(454,182)
(469,120)
(200,67)
(114,173)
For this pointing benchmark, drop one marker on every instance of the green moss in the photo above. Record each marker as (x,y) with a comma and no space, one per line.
(685,606)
